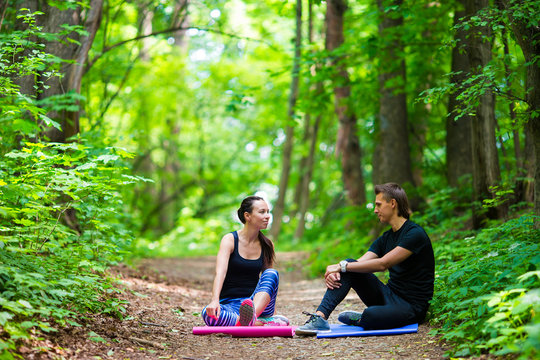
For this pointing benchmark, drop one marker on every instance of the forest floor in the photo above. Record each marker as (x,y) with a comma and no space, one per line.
(165,298)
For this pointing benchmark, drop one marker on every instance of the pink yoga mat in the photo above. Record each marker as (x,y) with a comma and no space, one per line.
(245,331)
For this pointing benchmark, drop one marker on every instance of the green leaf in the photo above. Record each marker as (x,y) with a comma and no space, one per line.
(4,317)
(25,303)
(107,158)
(49,122)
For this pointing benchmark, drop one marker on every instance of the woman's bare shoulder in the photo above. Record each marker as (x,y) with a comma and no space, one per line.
(227,242)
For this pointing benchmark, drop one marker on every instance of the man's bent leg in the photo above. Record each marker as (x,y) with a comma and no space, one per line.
(388,316)
(366,285)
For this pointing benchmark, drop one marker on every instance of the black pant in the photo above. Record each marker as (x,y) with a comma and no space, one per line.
(385,310)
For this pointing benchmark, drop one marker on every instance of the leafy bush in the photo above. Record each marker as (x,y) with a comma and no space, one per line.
(61,212)
(193,237)
(48,269)
(345,235)
(487,290)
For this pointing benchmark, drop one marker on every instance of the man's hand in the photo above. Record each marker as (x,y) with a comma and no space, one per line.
(332,276)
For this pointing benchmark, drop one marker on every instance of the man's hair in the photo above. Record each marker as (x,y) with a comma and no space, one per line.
(394,191)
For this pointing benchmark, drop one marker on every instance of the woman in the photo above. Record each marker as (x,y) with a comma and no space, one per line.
(239,295)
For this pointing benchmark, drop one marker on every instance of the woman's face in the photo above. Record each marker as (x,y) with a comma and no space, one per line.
(260,214)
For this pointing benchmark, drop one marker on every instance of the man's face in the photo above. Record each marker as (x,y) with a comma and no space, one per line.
(384,209)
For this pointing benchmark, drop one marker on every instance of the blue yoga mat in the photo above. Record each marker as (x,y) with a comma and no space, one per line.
(339,330)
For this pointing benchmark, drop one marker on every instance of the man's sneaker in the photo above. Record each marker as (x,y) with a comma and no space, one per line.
(276,320)
(314,325)
(350,317)
(247,313)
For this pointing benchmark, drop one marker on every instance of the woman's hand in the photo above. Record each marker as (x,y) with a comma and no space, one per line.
(332,276)
(212,309)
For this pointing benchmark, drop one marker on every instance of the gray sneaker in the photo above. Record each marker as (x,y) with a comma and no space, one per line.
(314,325)
(350,317)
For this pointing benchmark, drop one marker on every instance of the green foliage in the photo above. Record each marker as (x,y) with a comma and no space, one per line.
(193,237)
(487,290)
(50,270)
(61,212)
(487,284)
(344,235)
(205,118)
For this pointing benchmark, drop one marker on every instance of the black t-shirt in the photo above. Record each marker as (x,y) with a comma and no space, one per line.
(242,274)
(413,278)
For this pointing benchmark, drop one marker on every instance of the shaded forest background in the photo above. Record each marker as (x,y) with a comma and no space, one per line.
(135,128)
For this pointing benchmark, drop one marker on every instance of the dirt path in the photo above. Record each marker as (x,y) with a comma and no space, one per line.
(166,296)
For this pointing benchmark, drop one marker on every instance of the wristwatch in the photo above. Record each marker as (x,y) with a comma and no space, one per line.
(343,264)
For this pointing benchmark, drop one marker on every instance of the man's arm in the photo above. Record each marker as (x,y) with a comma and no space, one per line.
(369,263)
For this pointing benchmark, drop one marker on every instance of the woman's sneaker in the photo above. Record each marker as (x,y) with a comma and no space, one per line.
(276,320)
(314,325)
(350,317)
(247,313)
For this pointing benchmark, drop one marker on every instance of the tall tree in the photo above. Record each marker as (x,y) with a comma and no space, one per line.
(348,143)
(279,207)
(75,52)
(180,21)
(523,18)
(72,28)
(458,123)
(311,135)
(486,170)
(72,46)
(392,159)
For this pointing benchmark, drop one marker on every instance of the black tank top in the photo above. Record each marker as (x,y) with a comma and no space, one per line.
(242,274)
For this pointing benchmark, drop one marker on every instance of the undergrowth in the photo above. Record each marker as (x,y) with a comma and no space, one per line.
(61,213)
(487,291)
(487,286)
(48,270)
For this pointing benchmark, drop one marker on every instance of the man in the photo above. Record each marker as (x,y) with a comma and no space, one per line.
(405,251)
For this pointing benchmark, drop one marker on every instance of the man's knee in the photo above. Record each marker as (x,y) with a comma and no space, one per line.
(370,318)
(383,317)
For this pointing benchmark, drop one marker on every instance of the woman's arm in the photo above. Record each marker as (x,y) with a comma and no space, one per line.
(222,262)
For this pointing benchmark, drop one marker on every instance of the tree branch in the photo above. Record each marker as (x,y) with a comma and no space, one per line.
(166,31)
(5,6)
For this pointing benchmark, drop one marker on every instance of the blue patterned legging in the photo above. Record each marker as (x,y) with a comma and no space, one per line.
(230,308)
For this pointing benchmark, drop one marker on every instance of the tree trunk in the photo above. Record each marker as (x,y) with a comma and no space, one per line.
(306,179)
(279,207)
(528,38)
(146,16)
(458,129)
(348,143)
(392,159)
(486,171)
(73,72)
(312,131)
(75,54)
(181,19)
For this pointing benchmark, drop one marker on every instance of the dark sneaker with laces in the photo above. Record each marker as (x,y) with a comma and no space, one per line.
(350,317)
(314,325)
